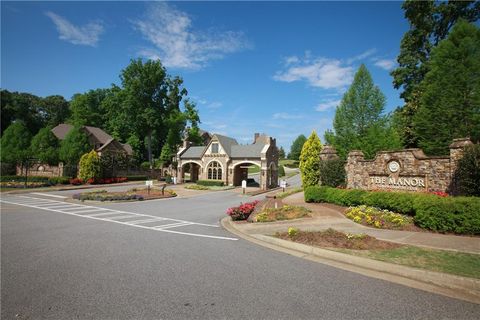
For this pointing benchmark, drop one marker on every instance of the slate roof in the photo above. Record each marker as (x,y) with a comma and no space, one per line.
(247,151)
(226,143)
(101,136)
(231,147)
(193,152)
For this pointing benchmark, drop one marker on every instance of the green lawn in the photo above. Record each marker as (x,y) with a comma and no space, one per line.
(289,163)
(253,169)
(457,263)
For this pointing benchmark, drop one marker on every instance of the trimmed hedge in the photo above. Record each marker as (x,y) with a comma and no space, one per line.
(46,180)
(210,183)
(444,214)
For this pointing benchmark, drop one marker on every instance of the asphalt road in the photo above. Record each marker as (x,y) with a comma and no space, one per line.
(64,264)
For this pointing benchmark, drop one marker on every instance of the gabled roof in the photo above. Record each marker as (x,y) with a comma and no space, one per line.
(193,153)
(247,151)
(226,143)
(101,136)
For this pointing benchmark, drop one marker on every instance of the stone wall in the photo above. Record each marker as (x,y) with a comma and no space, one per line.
(42,170)
(408,169)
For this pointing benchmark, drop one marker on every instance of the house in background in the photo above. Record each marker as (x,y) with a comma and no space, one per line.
(223,159)
(100,141)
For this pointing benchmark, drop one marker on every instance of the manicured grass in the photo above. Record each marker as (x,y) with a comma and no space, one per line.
(288,192)
(212,188)
(291,174)
(253,169)
(288,163)
(457,263)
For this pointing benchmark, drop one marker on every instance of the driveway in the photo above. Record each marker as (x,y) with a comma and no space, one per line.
(59,263)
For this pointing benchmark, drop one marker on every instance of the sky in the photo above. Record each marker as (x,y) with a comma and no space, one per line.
(278,68)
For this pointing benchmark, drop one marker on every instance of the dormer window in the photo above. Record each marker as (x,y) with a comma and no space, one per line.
(214,147)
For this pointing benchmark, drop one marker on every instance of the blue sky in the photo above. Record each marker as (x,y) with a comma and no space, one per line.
(278,68)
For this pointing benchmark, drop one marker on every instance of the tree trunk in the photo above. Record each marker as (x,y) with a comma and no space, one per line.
(149,148)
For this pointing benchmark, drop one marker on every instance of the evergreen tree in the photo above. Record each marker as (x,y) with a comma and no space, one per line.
(281,153)
(359,123)
(74,146)
(45,146)
(296,147)
(90,166)
(430,22)
(450,103)
(310,161)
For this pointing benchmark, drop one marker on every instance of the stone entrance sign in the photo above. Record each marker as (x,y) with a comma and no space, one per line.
(408,169)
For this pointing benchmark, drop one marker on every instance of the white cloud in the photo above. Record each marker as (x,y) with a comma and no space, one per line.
(88,34)
(286,116)
(386,64)
(214,105)
(320,72)
(325,105)
(362,56)
(177,44)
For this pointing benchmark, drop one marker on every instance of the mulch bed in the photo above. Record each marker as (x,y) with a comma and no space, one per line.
(336,239)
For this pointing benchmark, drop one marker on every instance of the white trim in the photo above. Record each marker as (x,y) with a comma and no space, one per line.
(184,162)
(248,161)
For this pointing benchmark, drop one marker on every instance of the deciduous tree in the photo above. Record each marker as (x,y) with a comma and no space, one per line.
(74,146)
(359,122)
(296,147)
(45,146)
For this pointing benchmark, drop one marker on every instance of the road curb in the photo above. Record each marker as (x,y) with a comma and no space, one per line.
(454,286)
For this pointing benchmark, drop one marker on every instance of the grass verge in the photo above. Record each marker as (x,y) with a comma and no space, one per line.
(283,213)
(456,263)
(287,193)
(211,188)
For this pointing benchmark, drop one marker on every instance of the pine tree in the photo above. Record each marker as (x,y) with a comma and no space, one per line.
(359,122)
(310,161)
(450,104)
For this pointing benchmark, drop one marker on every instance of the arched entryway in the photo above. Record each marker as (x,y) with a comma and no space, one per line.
(190,172)
(240,172)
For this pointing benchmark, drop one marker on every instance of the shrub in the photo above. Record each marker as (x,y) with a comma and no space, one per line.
(281,171)
(243,211)
(332,172)
(210,183)
(90,166)
(22,179)
(104,196)
(137,178)
(145,165)
(310,161)
(76,181)
(438,213)
(292,232)
(466,179)
(59,180)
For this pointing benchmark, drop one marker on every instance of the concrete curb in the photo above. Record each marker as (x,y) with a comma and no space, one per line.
(450,285)
(68,187)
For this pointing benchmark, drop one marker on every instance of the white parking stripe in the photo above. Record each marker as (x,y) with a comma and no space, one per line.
(49,195)
(172,225)
(88,210)
(104,217)
(122,217)
(145,221)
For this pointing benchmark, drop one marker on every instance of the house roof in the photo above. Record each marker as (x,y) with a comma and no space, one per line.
(247,151)
(101,136)
(226,143)
(231,147)
(193,152)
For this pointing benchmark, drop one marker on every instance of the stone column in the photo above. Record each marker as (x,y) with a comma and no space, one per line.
(354,170)
(328,153)
(180,174)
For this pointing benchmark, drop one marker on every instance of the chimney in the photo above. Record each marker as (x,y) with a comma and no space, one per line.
(186,143)
(256,137)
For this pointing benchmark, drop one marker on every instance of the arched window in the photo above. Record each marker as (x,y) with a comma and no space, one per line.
(214,171)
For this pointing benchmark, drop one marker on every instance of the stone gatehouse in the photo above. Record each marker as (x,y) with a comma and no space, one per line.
(408,169)
(223,159)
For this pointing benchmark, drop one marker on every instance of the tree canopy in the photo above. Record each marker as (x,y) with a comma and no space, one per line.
(430,22)
(74,146)
(15,144)
(359,122)
(296,147)
(451,91)
(45,146)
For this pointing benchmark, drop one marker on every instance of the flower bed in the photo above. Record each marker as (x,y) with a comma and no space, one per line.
(243,211)
(78,181)
(283,213)
(382,219)
(130,195)
(19,184)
